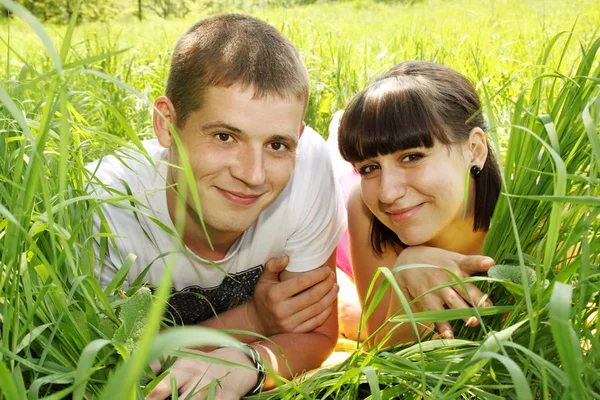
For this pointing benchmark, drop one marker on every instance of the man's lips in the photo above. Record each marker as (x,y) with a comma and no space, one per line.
(404,214)
(237,198)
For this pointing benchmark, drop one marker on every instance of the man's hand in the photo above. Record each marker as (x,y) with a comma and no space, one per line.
(417,281)
(194,376)
(296,305)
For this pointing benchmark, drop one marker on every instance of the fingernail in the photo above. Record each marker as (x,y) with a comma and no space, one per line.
(281,259)
(485,301)
(448,334)
(471,322)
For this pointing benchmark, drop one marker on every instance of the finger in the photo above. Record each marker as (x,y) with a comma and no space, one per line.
(160,391)
(454,300)
(195,392)
(314,322)
(317,313)
(473,295)
(314,295)
(156,367)
(273,268)
(473,264)
(307,280)
(445,329)
(435,303)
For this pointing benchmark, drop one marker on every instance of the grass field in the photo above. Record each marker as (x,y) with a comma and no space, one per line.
(70,94)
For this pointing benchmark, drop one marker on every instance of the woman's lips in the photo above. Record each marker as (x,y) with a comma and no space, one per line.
(404,214)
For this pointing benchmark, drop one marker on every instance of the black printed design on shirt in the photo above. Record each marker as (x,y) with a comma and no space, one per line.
(195,304)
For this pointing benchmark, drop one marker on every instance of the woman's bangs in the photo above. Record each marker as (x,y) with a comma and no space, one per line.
(382,122)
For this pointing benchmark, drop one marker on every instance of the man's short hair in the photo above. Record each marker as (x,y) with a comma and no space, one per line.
(233,49)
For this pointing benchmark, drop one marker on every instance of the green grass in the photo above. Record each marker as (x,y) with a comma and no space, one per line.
(71,94)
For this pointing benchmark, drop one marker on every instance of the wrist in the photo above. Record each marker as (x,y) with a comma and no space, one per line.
(259,367)
(254,376)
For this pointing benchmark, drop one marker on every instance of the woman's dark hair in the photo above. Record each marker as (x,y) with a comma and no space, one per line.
(412,105)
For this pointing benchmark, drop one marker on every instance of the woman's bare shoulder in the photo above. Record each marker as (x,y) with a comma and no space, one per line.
(357,210)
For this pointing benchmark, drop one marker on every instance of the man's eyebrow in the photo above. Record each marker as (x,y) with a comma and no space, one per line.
(221,124)
(286,138)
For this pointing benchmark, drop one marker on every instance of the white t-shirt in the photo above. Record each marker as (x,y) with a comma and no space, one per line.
(305,222)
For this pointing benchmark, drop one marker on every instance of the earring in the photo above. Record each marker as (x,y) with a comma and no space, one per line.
(475,170)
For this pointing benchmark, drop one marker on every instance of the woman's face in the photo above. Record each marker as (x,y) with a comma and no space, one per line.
(419,193)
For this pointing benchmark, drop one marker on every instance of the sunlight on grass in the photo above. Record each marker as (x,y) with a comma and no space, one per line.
(72,94)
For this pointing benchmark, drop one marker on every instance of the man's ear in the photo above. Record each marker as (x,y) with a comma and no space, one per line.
(163,119)
(301,129)
(478,147)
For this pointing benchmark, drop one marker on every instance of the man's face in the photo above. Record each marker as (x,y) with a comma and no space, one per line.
(242,152)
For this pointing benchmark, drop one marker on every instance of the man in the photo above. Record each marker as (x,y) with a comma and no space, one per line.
(235,171)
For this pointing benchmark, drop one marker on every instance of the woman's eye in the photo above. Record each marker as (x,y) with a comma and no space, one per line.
(367,169)
(224,137)
(412,157)
(278,146)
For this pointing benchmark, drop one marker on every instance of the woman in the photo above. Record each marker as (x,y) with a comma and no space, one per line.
(428,186)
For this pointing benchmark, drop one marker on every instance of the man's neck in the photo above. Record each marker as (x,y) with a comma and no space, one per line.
(194,235)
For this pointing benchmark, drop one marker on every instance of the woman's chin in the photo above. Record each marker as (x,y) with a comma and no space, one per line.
(413,235)
(412,241)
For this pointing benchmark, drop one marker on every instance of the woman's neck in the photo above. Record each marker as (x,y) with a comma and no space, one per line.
(460,239)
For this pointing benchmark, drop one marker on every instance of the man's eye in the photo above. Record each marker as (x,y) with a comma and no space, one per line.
(224,137)
(278,146)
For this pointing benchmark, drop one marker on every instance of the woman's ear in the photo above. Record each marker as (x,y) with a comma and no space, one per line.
(163,120)
(478,147)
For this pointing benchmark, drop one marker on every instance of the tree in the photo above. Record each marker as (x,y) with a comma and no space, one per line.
(60,11)
(169,8)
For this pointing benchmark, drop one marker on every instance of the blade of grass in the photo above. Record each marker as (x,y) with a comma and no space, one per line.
(565,338)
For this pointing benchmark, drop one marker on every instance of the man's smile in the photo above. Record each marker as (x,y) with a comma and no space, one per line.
(238,198)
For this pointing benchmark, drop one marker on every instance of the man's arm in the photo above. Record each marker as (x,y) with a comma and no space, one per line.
(283,353)
(283,302)
(321,341)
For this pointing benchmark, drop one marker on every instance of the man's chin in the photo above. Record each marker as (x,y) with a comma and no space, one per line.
(232,226)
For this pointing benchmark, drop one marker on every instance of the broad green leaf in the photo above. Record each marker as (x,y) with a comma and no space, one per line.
(133,316)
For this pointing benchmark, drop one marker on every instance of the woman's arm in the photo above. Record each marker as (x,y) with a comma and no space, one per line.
(365,263)
(413,282)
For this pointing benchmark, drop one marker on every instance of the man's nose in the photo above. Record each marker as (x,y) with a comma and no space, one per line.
(250,167)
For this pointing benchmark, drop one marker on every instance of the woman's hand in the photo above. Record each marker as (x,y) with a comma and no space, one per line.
(418,280)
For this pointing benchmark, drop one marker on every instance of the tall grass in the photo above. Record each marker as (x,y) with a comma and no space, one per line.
(540,341)
(71,94)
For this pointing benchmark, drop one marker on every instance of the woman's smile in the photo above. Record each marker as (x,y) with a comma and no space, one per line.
(404,214)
